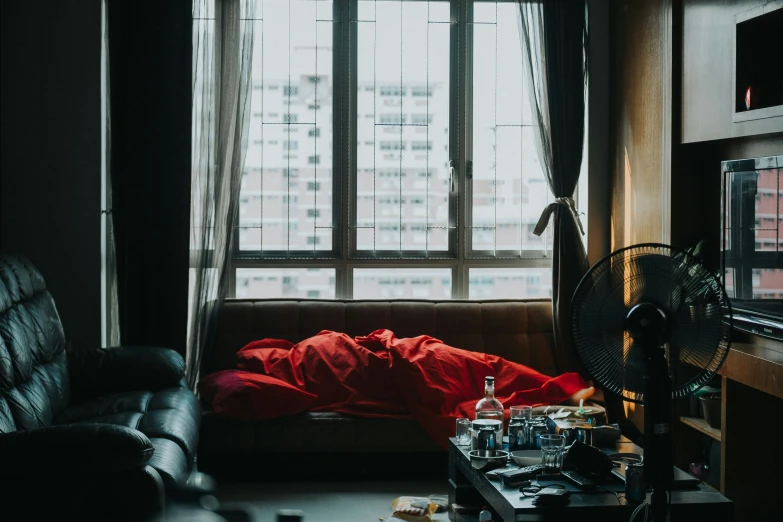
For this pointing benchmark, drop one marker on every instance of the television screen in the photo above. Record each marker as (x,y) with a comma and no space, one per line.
(752,243)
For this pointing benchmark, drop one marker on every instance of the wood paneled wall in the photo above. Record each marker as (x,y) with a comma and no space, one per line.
(640,101)
(640,125)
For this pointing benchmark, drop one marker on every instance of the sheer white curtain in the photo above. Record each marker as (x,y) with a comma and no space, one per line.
(554,43)
(111,306)
(222,62)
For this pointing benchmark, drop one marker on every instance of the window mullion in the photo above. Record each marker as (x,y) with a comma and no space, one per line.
(344,136)
(461,135)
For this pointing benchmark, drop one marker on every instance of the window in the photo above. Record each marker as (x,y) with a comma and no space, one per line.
(392,145)
(376,134)
(421,145)
(402,283)
(391,119)
(421,91)
(285,282)
(421,119)
(394,90)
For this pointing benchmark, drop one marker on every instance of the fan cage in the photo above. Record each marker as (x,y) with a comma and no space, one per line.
(693,298)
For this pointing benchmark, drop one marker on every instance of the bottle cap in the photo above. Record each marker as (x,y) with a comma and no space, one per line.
(489,379)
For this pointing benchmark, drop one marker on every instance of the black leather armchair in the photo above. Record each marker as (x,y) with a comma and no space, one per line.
(94,434)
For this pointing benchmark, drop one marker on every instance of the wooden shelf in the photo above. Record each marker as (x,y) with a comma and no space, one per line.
(758,364)
(701,425)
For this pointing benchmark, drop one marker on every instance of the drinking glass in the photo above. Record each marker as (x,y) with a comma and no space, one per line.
(463,431)
(552,448)
(522,412)
(518,426)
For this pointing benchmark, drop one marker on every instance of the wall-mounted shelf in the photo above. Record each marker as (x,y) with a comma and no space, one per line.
(701,425)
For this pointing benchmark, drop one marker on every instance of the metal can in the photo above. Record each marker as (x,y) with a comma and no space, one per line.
(585,434)
(479,424)
(635,488)
(517,435)
(486,439)
(534,434)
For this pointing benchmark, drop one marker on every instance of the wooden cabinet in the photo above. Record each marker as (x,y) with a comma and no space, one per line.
(752,397)
(707,72)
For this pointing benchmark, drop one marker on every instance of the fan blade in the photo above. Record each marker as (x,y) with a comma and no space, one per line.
(692,298)
(634,369)
(601,309)
(653,282)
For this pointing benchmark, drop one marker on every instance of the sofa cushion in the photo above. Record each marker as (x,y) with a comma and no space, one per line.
(239,394)
(172,414)
(74,450)
(123,368)
(169,460)
(519,331)
(34,382)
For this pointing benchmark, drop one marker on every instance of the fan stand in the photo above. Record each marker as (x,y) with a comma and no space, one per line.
(658,462)
(647,324)
(674,300)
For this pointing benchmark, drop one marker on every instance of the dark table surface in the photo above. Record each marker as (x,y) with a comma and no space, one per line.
(702,502)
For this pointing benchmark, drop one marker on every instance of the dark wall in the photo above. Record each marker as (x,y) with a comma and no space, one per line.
(150,66)
(51,151)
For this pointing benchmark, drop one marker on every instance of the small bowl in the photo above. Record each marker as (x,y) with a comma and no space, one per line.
(526,457)
(485,460)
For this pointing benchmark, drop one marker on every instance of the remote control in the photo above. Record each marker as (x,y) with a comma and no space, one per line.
(585,483)
(514,478)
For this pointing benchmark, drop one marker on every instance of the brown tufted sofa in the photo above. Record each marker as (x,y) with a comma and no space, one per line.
(520,331)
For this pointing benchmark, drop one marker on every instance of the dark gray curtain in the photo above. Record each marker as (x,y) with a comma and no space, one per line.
(554,37)
(150,88)
(222,63)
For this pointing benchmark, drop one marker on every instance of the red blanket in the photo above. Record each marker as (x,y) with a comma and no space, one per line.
(382,376)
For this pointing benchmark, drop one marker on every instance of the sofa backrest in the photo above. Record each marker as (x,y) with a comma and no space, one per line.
(34,384)
(517,330)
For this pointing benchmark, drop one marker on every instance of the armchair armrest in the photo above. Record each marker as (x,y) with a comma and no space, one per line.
(124,368)
(74,449)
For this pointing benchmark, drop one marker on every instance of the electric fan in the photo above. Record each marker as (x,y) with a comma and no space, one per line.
(651,323)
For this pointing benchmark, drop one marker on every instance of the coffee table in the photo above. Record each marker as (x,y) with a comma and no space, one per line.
(468,486)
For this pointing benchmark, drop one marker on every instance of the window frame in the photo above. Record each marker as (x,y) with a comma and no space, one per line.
(344,257)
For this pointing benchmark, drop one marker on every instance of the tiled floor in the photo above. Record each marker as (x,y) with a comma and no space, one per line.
(328,502)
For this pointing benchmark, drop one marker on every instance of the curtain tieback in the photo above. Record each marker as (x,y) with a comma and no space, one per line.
(543,221)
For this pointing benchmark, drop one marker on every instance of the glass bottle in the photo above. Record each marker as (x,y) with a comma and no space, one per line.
(489,407)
